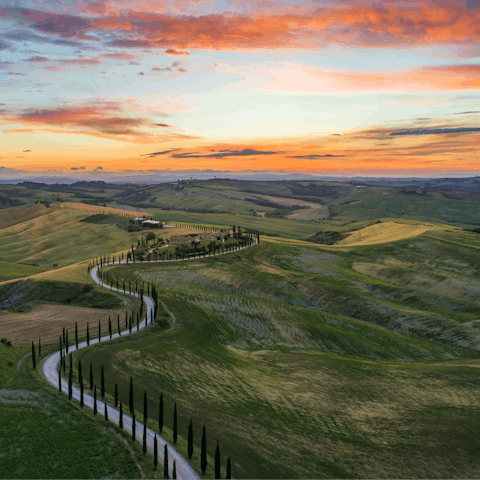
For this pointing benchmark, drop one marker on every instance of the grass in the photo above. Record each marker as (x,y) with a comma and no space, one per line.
(42,308)
(45,436)
(59,239)
(299,365)
(9,271)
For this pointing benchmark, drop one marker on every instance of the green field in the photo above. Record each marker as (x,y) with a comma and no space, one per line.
(8,271)
(300,365)
(45,436)
(303,360)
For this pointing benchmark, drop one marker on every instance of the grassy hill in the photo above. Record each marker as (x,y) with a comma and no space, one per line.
(352,360)
(304,366)
(319,200)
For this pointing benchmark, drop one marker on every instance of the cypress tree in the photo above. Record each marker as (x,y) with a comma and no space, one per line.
(76,335)
(174,473)
(130,325)
(91,376)
(88,336)
(217,461)
(120,423)
(102,382)
(110,327)
(39,347)
(145,438)
(80,381)
(165,462)
(81,394)
(203,455)
(94,399)
(133,426)
(118,325)
(190,439)
(126,319)
(106,412)
(175,424)
(66,343)
(70,381)
(155,452)
(60,379)
(130,396)
(160,414)
(229,468)
(145,414)
(99,332)
(34,361)
(116,395)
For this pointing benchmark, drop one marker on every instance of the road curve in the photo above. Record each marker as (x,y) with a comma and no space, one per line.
(50,371)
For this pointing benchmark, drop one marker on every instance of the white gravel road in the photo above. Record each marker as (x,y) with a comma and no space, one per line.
(50,370)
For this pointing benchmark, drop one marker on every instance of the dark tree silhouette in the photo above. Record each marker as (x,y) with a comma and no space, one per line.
(99,332)
(102,382)
(203,455)
(88,336)
(229,468)
(155,452)
(160,414)
(165,462)
(175,428)
(110,327)
(133,426)
(106,412)
(120,423)
(34,361)
(66,342)
(144,438)
(60,379)
(174,472)
(217,461)
(145,414)
(80,381)
(94,399)
(130,396)
(70,382)
(190,439)
(76,335)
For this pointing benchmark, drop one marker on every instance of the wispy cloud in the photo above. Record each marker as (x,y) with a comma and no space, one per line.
(102,119)
(435,131)
(224,153)
(314,157)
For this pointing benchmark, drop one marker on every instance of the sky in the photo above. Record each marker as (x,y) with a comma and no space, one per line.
(330,87)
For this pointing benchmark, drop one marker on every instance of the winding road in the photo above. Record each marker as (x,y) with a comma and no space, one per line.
(50,371)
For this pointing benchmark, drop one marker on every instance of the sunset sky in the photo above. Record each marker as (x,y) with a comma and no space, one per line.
(335,87)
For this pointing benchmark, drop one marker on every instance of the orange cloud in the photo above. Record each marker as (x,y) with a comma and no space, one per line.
(100,119)
(382,25)
(439,78)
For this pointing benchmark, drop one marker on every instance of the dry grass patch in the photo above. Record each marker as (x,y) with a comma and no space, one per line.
(83,207)
(383,233)
(47,321)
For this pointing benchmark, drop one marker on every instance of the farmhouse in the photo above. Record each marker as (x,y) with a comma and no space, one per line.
(211,235)
(180,240)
